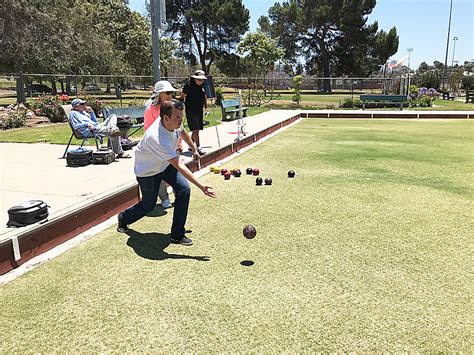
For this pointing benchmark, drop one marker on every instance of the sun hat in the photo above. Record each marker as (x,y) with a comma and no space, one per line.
(162,86)
(199,74)
(77,102)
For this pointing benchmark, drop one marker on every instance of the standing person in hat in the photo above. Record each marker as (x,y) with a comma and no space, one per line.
(83,119)
(162,91)
(195,99)
(156,160)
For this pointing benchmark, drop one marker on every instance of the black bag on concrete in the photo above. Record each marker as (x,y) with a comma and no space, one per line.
(79,157)
(124,121)
(127,144)
(27,213)
(103,156)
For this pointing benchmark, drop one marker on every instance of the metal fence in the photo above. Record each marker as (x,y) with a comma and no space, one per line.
(141,86)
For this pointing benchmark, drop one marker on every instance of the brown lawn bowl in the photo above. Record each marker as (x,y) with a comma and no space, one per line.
(249,231)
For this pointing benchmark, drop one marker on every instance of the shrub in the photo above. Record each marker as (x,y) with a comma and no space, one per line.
(350,103)
(95,104)
(14,118)
(468,83)
(297,80)
(49,106)
(219,96)
(423,97)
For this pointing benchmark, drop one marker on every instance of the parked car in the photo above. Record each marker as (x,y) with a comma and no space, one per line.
(40,89)
(73,90)
(92,88)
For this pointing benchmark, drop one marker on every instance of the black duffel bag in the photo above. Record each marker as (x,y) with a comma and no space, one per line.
(27,213)
(124,121)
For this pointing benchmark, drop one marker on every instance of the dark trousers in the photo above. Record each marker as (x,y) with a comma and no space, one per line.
(150,186)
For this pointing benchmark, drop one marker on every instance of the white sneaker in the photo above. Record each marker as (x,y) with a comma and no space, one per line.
(166,203)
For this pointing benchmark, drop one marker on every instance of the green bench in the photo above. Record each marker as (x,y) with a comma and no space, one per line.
(136,113)
(230,109)
(448,96)
(383,100)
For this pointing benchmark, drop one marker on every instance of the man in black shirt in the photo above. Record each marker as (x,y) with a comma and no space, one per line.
(195,99)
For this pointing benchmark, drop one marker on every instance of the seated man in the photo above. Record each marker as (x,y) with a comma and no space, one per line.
(83,119)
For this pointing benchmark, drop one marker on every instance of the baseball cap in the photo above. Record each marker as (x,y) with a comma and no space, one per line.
(77,102)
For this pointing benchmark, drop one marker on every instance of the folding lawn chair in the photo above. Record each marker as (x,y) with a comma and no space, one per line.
(76,133)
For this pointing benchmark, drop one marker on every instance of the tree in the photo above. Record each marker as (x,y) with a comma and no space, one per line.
(386,45)
(330,34)
(261,51)
(168,48)
(209,28)
(30,38)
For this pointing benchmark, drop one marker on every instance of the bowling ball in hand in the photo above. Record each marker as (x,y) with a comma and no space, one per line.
(268,181)
(237,173)
(249,231)
(256,171)
(226,175)
(291,174)
(258,181)
(249,171)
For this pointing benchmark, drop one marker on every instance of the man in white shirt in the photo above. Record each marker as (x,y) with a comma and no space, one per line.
(155,160)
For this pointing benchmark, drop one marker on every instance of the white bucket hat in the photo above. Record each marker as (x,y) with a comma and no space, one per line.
(199,74)
(162,86)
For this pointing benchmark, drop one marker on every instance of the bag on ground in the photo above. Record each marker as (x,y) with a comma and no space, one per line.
(26,213)
(103,156)
(79,157)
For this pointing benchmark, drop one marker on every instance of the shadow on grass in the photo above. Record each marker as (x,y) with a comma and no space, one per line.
(158,211)
(152,246)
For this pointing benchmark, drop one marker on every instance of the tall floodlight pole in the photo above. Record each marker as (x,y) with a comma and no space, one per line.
(158,22)
(454,49)
(409,55)
(447,41)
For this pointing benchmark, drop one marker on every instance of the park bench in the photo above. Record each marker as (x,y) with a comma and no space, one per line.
(469,96)
(448,96)
(135,113)
(230,109)
(383,100)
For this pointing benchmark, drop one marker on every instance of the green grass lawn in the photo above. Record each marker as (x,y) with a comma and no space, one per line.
(367,249)
(59,133)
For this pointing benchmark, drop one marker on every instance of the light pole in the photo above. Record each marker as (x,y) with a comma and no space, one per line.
(409,54)
(158,22)
(447,45)
(454,49)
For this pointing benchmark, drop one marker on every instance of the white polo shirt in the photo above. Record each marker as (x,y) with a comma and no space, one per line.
(157,146)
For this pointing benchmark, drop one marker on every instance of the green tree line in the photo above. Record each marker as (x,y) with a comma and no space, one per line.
(105,37)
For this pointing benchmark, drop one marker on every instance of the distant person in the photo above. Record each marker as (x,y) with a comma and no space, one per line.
(83,119)
(162,91)
(156,159)
(195,99)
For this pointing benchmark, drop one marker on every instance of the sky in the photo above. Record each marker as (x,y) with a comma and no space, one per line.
(421,25)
